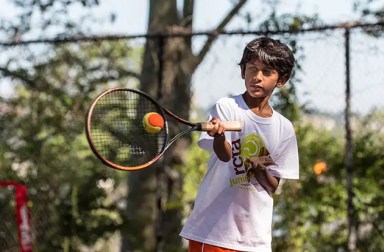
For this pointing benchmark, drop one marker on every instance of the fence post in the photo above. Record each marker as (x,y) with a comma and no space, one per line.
(348,158)
(160,167)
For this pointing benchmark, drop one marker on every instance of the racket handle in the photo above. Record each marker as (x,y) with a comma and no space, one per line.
(229,125)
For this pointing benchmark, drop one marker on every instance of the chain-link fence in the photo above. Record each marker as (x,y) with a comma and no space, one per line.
(329,63)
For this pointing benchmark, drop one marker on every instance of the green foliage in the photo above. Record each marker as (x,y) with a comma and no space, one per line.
(311,213)
(44,144)
(193,171)
(368,182)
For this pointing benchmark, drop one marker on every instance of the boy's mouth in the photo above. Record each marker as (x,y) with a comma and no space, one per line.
(256,87)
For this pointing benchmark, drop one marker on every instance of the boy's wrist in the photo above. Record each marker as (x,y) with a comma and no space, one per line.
(261,168)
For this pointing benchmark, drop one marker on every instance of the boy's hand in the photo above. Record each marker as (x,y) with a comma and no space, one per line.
(218,128)
(221,147)
(258,164)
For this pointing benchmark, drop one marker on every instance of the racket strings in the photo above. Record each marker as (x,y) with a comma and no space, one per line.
(117,129)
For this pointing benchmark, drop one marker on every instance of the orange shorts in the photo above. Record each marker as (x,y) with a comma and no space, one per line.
(195,246)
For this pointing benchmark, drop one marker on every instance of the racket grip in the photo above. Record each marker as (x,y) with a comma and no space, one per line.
(229,125)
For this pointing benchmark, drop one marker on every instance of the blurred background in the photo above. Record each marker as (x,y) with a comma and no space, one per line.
(56,56)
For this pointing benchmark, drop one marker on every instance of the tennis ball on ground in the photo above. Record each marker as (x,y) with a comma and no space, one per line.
(153,122)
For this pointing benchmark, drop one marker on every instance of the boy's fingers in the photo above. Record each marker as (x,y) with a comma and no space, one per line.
(220,130)
(263,167)
(212,132)
(262,162)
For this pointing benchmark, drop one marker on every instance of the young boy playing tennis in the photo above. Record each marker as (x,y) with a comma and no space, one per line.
(233,208)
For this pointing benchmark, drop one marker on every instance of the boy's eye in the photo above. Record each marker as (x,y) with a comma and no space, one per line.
(267,72)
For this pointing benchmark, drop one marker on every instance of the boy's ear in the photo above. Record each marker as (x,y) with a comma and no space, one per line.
(282,80)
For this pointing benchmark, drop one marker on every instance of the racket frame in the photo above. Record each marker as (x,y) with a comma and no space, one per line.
(100,156)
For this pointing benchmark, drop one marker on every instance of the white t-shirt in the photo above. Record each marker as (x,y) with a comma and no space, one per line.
(229,211)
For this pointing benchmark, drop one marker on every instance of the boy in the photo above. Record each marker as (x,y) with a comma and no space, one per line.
(233,208)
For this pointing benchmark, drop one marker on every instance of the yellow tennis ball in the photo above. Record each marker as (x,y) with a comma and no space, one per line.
(153,122)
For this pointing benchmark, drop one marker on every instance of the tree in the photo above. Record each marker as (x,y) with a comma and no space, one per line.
(48,150)
(42,131)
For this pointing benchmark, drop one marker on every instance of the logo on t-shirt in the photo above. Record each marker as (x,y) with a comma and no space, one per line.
(251,145)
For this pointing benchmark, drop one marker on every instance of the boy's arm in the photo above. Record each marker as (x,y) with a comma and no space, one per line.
(266,180)
(221,147)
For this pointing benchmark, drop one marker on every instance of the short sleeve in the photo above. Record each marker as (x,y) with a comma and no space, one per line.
(286,159)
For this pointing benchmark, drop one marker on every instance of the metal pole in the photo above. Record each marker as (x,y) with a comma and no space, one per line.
(348,149)
(159,167)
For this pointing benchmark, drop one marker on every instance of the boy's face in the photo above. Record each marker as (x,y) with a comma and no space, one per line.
(261,80)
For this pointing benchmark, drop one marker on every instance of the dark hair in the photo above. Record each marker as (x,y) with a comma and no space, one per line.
(271,52)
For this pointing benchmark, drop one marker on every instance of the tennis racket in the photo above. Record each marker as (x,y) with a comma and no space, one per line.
(116,135)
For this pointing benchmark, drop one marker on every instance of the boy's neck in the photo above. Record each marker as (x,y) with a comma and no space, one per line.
(259,106)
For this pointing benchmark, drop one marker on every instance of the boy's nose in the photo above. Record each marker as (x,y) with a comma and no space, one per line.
(259,75)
